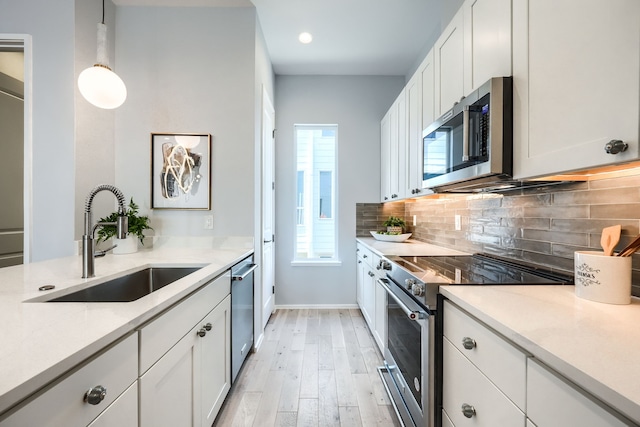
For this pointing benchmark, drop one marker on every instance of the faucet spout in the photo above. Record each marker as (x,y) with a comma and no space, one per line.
(88,253)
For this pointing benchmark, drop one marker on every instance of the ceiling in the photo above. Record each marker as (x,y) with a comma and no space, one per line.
(350,37)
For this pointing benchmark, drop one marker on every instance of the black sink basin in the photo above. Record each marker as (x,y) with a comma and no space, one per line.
(130,287)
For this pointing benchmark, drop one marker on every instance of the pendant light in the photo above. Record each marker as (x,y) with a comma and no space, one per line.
(99,84)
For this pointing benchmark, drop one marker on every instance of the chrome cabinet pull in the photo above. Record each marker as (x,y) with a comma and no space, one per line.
(202,332)
(95,395)
(468,410)
(615,146)
(208,326)
(468,343)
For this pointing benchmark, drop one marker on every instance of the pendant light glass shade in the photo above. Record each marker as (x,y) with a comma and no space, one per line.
(98,84)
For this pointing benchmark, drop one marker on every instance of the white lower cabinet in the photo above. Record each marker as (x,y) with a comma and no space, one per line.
(488,381)
(380,331)
(469,398)
(63,403)
(186,385)
(552,401)
(173,371)
(371,296)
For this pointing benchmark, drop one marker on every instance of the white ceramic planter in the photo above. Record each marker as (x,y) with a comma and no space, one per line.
(128,245)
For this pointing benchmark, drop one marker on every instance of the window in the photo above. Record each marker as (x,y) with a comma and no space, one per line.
(315,192)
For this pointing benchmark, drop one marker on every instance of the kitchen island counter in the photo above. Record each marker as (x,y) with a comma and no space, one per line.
(40,341)
(595,345)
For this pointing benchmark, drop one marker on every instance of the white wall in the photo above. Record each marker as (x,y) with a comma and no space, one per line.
(51,25)
(356,104)
(95,127)
(189,70)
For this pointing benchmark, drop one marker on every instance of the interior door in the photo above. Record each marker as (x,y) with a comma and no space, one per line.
(268,208)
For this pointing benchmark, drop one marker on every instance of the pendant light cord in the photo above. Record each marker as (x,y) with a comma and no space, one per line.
(103,11)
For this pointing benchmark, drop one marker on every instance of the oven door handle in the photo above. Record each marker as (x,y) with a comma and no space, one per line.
(411,314)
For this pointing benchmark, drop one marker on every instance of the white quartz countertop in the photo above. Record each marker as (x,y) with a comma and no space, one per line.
(407,248)
(595,345)
(40,341)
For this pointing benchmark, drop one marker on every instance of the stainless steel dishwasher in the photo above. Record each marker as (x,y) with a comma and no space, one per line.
(241,313)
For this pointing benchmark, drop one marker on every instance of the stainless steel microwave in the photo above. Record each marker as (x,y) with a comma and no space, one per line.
(471,145)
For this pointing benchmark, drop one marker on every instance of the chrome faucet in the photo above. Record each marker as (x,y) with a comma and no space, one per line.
(88,253)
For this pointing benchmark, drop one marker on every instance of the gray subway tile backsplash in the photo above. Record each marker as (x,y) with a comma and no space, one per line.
(540,226)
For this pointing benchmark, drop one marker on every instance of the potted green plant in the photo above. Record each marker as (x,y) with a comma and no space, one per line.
(137,225)
(395,225)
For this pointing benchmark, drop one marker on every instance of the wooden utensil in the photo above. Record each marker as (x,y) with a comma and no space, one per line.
(610,238)
(631,247)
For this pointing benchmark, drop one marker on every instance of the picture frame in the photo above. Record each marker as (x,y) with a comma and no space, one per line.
(181,171)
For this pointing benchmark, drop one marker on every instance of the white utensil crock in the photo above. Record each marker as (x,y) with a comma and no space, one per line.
(602,278)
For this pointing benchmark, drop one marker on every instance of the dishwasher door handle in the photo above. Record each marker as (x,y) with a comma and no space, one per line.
(242,276)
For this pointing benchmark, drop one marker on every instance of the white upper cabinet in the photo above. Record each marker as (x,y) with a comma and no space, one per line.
(385,163)
(487,44)
(413,151)
(427,75)
(393,137)
(576,85)
(449,64)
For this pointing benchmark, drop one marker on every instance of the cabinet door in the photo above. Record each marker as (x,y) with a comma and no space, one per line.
(369,297)
(398,132)
(215,360)
(413,150)
(552,401)
(449,62)
(380,332)
(170,389)
(576,86)
(385,162)
(360,281)
(428,107)
(123,412)
(487,32)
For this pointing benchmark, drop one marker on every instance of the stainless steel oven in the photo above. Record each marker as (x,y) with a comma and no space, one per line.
(409,347)
(413,352)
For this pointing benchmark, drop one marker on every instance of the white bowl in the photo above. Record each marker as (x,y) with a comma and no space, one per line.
(390,237)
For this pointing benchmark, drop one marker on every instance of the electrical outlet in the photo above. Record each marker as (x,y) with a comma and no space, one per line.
(208,222)
(415,221)
(458,223)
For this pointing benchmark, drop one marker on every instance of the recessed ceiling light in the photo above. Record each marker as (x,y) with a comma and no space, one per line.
(305,38)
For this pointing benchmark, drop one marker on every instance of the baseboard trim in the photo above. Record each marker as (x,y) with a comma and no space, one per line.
(315,306)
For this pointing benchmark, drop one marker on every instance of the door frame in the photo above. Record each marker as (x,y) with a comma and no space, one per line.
(27,47)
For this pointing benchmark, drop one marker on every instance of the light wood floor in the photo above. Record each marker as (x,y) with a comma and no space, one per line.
(314,368)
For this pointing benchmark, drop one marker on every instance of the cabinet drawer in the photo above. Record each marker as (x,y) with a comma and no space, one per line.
(161,334)
(501,362)
(464,384)
(62,403)
(552,401)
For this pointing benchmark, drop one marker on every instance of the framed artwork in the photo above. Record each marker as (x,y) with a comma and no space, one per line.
(180,171)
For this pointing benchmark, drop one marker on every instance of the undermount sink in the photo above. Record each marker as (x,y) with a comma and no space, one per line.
(130,287)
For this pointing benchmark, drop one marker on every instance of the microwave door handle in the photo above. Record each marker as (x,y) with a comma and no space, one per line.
(465,134)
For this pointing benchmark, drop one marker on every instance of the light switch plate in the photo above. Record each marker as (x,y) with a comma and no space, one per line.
(208,222)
